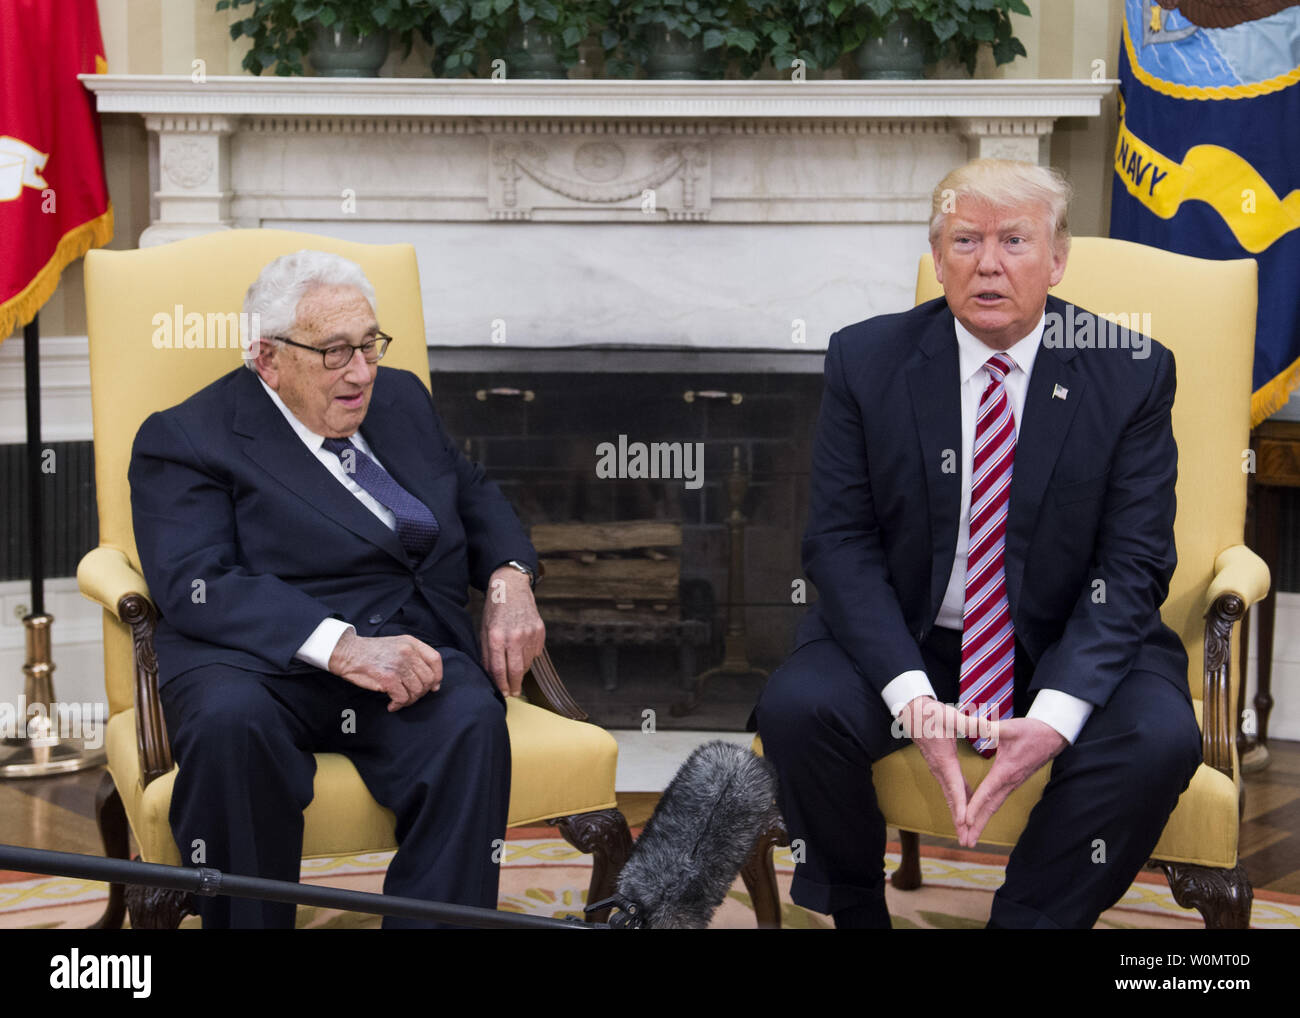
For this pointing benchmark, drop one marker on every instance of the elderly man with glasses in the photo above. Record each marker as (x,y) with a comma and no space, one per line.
(309,533)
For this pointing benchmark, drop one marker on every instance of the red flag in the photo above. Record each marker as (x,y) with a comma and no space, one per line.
(53,197)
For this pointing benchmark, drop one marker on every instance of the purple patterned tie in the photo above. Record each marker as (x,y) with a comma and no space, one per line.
(417,527)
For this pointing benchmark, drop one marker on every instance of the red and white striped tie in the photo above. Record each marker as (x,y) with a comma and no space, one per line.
(987,639)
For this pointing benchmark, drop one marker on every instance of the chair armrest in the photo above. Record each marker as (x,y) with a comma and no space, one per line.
(106,577)
(544,687)
(1239,571)
(1240,579)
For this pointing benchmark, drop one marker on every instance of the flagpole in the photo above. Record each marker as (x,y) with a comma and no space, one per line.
(36,750)
(35,490)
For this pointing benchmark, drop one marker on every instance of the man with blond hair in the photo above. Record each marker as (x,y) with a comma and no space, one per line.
(991,537)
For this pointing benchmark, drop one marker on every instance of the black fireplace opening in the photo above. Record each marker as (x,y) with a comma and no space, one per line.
(667,508)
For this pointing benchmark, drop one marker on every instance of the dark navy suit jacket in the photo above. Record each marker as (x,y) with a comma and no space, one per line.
(1092,498)
(224,492)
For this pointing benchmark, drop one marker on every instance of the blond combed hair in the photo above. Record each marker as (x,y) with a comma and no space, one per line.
(1005,183)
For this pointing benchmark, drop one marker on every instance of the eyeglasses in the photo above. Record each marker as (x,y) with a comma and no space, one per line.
(340,356)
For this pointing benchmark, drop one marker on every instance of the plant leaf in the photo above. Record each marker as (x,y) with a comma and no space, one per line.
(944,29)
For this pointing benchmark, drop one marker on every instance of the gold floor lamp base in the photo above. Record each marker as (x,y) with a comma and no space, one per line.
(34,748)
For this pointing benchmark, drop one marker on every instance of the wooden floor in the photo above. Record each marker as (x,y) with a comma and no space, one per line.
(59,814)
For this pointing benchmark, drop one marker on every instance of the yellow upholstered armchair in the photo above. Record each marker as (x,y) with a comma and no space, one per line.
(1204,311)
(563,768)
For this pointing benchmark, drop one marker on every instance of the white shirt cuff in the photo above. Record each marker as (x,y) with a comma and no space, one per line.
(1062,711)
(318,647)
(905,688)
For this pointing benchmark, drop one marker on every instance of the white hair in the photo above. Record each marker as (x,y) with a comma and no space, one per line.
(272,299)
(1005,183)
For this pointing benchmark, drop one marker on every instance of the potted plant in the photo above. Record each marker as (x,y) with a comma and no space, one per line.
(555,29)
(457,31)
(670,38)
(468,36)
(813,31)
(344,38)
(904,35)
(535,38)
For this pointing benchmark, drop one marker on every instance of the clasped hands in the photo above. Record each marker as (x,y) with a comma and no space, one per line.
(406,668)
(1023,746)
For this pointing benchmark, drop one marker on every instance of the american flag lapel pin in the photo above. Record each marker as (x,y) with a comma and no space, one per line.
(1060,392)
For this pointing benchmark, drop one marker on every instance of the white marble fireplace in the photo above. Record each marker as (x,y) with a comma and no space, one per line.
(758,215)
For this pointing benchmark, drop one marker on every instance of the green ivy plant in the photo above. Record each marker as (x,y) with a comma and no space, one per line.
(814,31)
(629,23)
(460,29)
(566,25)
(463,31)
(280,30)
(953,28)
(743,33)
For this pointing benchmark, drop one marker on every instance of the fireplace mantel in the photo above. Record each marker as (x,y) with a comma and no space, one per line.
(574,212)
(595,98)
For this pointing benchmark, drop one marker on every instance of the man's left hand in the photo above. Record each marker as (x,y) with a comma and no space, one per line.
(513,634)
(1024,745)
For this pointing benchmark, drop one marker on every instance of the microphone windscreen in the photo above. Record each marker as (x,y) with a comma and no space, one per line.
(701,833)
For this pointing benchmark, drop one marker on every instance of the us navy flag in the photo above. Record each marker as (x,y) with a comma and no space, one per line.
(1207,162)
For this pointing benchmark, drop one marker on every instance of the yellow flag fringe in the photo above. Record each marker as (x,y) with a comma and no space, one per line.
(1272,396)
(21,308)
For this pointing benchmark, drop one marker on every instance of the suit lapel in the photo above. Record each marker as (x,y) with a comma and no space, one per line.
(935,387)
(273,445)
(1043,426)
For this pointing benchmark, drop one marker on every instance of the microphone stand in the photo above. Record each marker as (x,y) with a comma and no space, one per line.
(210,882)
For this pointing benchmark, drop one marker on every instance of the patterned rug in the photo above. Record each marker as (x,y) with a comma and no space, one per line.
(543,875)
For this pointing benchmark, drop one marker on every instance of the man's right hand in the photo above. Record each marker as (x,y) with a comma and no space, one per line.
(925,713)
(400,666)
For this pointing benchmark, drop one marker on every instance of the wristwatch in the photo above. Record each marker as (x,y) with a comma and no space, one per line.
(532,577)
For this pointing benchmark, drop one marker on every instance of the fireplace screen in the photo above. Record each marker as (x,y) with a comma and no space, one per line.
(667,510)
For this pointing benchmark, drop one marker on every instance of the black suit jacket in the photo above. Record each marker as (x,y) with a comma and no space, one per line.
(247,541)
(1092,499)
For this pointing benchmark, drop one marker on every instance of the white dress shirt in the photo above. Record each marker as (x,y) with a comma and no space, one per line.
(318,647)
(1063,712)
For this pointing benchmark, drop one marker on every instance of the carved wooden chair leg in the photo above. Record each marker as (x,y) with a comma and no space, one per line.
(759,874)
(605,835)
(1223,897)
(155,908)
(908,875)
(115,834)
